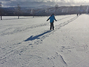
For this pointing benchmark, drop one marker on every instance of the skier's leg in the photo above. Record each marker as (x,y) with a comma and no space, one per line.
(53,25)
(50,26)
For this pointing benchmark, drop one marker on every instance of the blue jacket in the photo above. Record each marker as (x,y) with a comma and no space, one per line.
(52,18)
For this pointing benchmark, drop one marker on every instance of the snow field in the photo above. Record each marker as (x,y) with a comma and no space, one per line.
(28,42)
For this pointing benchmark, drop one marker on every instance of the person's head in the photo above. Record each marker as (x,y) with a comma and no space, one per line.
(52,14)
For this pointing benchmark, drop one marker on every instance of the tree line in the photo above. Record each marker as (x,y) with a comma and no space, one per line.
(63,10)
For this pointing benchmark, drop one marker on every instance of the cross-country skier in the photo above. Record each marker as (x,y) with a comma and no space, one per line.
(52,18)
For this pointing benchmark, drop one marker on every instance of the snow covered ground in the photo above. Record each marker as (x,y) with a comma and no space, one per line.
(28,42)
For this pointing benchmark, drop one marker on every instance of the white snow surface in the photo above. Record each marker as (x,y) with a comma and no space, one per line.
(28,42)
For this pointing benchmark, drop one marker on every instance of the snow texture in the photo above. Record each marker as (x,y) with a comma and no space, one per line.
(28,42)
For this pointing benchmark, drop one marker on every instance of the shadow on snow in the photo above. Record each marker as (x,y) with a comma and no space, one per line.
(37,36)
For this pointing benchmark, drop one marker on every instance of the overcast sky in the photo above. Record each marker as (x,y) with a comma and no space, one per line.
(36,3)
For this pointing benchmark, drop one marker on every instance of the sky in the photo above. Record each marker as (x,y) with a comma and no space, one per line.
(36,3)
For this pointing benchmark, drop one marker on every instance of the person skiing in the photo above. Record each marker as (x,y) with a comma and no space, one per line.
(52,18)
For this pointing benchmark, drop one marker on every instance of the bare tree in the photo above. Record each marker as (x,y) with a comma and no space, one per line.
(1,10)
(32,12)
(56,7)
(18,10)
(87,9)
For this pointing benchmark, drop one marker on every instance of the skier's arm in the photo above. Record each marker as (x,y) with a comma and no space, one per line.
(47,19)
(55,19)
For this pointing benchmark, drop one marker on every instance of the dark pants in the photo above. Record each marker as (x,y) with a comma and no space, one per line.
(52,26)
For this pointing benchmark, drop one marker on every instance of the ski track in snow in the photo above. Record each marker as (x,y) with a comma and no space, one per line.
(20,29)
(57,56)
(35,40)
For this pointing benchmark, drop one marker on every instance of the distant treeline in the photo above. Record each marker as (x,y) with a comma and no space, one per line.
(26,11)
